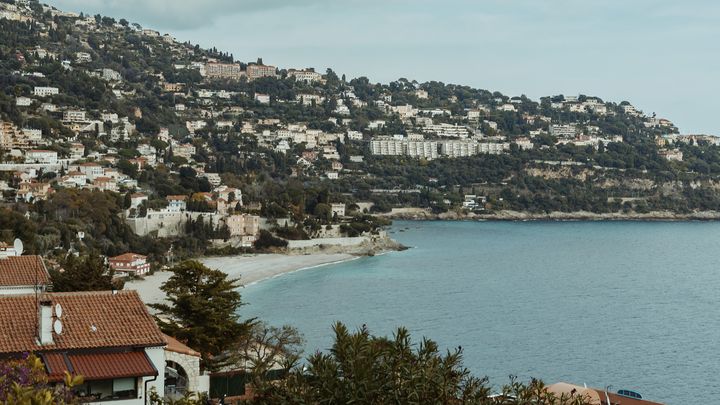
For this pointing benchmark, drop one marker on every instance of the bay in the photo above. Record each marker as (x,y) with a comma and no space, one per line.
(633,305)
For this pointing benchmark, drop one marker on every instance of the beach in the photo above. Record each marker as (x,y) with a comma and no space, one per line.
(248,268)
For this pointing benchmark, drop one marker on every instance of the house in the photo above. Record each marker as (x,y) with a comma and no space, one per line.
(108,338)
(186,150)
(307,76)
(48,157)
(23,101)
(45,91)
(212,178)
(74,116)
(229,193)
(129,264)
(137,199)
(110,75)
(74,179)
(33,191)
(596,396)
(243,224)
(91,170)
(173,87)
(104,183)
(338,209)
(83,57)
(176,203)
(672,154)
(262,98)
(22,274)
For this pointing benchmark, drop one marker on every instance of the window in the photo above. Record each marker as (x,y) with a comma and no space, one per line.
(119,388)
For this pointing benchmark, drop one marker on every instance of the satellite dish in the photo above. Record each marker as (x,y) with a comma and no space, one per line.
(58,326)
(19,248)
(58,310)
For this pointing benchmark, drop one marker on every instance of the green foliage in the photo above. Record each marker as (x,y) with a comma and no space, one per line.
(203,312)
(267,242)
(89,273)
(365,369)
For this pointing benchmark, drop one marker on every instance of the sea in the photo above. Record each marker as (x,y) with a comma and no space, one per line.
(624,305)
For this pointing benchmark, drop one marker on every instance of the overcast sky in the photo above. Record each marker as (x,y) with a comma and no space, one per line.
(661,55)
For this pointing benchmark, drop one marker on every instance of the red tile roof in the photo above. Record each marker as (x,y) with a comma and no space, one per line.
(98,319)
(128,257)
(174,345)
(98,366)
(23,271)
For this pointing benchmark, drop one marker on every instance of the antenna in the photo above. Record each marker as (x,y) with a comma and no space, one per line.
(58,310)
(19,248)
(58,327)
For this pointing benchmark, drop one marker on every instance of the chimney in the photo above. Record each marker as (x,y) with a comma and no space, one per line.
(45,320)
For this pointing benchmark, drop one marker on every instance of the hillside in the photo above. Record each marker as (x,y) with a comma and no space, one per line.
(162,119)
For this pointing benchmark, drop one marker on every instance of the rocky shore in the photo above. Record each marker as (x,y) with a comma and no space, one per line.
(426,215)
(360,246)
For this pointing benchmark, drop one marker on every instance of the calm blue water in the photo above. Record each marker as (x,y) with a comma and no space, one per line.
(628,304)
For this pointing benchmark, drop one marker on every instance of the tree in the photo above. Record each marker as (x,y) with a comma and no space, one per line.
(365,369)
(268,347)
(203,312)
(83,274)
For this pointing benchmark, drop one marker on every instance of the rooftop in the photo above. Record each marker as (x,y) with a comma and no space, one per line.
(23,271)
(98,319)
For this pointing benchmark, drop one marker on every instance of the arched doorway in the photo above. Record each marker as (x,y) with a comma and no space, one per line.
(176,380)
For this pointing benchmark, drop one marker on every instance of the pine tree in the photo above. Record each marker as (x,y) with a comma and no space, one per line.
(83,274)
(203,312)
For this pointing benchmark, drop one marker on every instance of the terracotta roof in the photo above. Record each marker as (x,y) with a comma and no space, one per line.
(98,366)
(176,197)
(98,319)
(127,257)
(174,345)
(621,400)
(594,396)
(23,271)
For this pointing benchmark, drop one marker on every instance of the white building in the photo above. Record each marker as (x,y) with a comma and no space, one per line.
(563,131)
(83,57)
(41,156)
(23,101)
(307,76)
(262,98)
(74,116)
(45,91)
(460,148)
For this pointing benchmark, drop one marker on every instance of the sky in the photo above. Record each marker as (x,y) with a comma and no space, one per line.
(660,55)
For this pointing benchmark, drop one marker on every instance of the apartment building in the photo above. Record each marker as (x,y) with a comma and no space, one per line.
(41,156)
(231,71)
(307,76)
(258,71)
(563,131)
(74,116)
(45,91)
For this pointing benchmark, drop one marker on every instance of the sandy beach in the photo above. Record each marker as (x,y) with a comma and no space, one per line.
(249,269)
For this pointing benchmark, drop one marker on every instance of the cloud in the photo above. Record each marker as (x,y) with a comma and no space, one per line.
(177,14)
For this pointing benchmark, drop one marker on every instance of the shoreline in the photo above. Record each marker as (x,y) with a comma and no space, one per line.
(250,269)
(254,268)
(420,214)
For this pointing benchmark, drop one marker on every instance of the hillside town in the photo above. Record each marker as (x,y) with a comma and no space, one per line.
(123,147)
